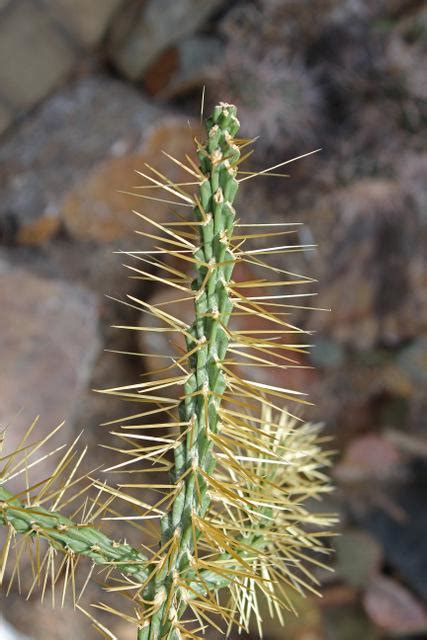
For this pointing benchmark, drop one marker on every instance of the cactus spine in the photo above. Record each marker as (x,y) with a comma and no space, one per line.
(233,515)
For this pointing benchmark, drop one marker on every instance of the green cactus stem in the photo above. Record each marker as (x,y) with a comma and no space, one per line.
(204,388)
(233,514)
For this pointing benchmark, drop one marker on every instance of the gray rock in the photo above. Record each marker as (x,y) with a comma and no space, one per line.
(372,263)
(34,55)
(412,360)
(50,340)
(6,118)
(95,119)
(86,20)
(158,25)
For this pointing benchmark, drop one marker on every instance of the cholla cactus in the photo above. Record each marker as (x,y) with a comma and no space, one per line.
(232,516)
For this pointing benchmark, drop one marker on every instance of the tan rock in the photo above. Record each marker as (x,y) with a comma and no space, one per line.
(38,232)
(96,210)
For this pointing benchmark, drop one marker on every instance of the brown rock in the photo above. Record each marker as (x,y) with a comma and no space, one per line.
(39,231)
(95,210)
(369,457)
(162,71)
(183,68)
(49,342)
(394,608)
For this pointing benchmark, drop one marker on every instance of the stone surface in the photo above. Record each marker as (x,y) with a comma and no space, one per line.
(370,457)
(393,608)
(95,210)
(86,20)
(6,118)
(34,56)
(186,67)
(157,25)
(7,632)
(39,621)
(348,623)
(371,264)
(306,625)
(55,149)
(277,95)
(358,557)
(49,342)
(403,539)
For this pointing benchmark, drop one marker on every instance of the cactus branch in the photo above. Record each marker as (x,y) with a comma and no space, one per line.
(233,514)
(207,381)
(69,537)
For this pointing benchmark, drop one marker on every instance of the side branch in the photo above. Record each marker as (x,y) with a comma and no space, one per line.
(69,537)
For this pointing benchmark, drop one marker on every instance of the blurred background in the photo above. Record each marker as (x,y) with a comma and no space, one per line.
(92,89)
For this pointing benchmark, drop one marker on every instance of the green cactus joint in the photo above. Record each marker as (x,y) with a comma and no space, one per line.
(234,516)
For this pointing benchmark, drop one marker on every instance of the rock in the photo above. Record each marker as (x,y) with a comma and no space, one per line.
(156,26)
(369,457)
(6,118)
(327,354)
(307,625)
(371,264)
(40,621)
(181,69)
(403,539)
(348,623)
(34,55)
(405,48)
(358,557)
(412,361)
(88,21)
(95,210)
(49,343)
(7,632)
(54,150)
(393,608)
(414,446)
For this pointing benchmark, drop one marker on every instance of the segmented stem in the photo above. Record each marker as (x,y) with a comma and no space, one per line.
(69,537)
(218,158)
(257,535)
